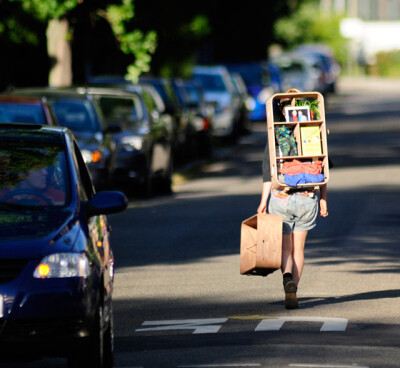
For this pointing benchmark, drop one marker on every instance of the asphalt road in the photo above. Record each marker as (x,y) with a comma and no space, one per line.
(180,301)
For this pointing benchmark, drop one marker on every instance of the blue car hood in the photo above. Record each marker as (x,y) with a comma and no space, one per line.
(254,90)
(33,234)
(87,140)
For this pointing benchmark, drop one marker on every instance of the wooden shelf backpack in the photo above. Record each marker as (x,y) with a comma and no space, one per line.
(306,151)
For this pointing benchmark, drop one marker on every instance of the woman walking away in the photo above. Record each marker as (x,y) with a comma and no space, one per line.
(299,210)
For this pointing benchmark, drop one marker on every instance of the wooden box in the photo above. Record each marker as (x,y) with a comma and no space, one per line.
(261,245)
(306,152)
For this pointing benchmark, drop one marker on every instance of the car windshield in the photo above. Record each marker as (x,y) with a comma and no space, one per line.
(292,68)
(125,112)
(75,115)
(194,94)
(21,113)
(211,82)
(32,176)
(253,75)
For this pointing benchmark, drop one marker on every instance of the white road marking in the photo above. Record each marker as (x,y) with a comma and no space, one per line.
(329,324)
(325,366)
(200,326)
(213,325)
(220,365)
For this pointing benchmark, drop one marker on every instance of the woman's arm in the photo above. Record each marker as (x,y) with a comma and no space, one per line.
(323,205)
(266,190)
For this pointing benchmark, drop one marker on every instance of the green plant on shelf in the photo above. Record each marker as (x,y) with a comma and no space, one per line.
(313,105)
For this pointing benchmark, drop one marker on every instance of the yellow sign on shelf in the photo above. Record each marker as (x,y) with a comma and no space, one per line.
(311,141)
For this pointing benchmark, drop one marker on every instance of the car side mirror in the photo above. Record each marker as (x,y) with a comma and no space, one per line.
(106,203)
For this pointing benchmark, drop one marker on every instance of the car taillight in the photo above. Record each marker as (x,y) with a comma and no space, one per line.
(206,124)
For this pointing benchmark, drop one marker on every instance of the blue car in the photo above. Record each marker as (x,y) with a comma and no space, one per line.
(56,262)
(262,80)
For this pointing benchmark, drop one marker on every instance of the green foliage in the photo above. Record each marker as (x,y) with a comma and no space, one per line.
(16,26)
(309,25)
(17,32)
(198,27)
(48,9)
(388,63)
(183,68)
(135,42)
(312,104)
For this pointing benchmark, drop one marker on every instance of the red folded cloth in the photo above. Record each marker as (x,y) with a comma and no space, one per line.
(297,167)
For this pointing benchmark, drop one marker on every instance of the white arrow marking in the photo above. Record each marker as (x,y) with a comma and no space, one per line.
(211,325)
(329,324)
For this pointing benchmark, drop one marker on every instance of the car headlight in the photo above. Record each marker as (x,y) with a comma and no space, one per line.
(89,156)
(133,141)
(62,265)
(250,103)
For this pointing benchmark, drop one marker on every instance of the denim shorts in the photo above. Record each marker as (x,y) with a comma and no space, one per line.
(298,212)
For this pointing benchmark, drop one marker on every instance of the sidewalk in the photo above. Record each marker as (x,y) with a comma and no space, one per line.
(368,85)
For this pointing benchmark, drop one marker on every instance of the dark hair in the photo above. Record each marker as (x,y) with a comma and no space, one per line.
(281,104)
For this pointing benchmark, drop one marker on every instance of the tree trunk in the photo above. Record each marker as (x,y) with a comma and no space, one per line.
(59,51)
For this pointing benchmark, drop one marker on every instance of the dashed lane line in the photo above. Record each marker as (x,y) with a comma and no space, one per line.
(328,324)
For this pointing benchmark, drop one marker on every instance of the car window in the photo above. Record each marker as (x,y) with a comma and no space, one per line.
(85,187)
(167,94)
(211,82)
(74,114)
(32,175)
(124,111)
(294,67)
(149,101)
(193,94)
(21,113)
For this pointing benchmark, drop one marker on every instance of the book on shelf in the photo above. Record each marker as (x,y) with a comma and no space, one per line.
(311,141)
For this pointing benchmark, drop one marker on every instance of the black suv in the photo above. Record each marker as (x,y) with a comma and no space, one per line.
(142,135)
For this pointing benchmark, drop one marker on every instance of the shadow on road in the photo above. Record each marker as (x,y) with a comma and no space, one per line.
(308,302)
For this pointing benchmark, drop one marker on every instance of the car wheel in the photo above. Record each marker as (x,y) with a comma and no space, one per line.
(97,352)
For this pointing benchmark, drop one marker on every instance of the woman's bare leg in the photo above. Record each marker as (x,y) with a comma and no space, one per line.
(298,243)
(287,256)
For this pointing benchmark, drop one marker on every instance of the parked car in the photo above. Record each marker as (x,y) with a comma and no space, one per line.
(156,107)
(218,89)
(57,262)
(201,115)
(241,90)
(262,80)
(26,109)
(82,115)
(143,139)
(199,118)
(331,67)
(180,115)
(301,71)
